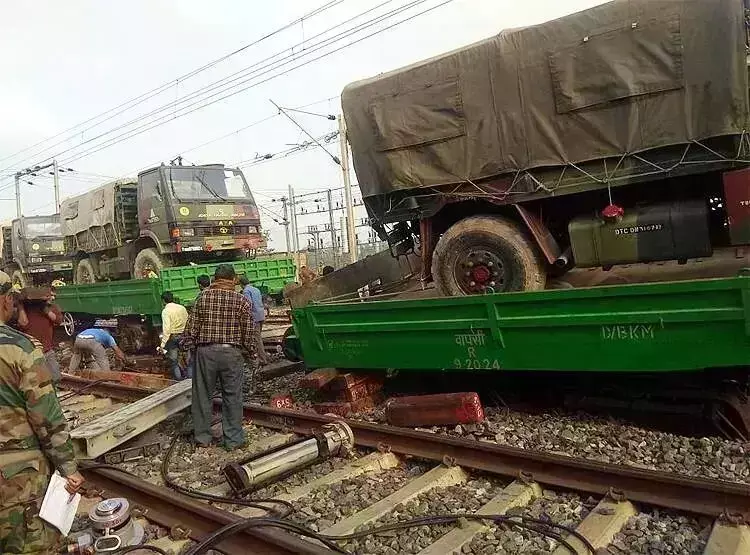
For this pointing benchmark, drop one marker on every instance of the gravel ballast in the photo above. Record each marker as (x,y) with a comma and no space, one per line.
(464,498)
(598,439)
(196,468)
(660,532)
(328,505)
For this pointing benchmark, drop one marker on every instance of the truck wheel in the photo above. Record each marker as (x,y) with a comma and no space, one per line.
(148,260)
(486,254)
(18,277)
(84,272)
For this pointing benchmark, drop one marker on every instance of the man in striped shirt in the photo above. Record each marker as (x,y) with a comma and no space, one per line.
(220,327)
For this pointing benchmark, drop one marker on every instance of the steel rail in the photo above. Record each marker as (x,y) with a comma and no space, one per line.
(113,390)
(683,493)
(168,508)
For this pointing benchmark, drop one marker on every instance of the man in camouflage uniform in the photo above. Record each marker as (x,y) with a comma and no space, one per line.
(34,440)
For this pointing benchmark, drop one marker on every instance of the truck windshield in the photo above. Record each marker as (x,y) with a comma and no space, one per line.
(43,229)
(207,184)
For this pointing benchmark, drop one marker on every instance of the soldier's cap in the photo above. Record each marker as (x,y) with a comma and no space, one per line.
(6,284)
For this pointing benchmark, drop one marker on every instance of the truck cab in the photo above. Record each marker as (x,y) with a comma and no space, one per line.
(196,213)
(33,251)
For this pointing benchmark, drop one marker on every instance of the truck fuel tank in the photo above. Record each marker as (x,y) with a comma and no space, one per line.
(670,231)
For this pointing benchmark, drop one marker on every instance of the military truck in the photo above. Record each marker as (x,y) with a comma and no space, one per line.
(171,215)
(33,252)
(614,136)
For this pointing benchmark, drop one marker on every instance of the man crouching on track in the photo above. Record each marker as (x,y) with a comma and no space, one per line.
(220,326)
(34,439)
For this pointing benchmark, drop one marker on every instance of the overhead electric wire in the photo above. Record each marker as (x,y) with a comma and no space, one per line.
(169,109)
(205,102)
(141,130)
(165,86)
(171,106)
(226,135)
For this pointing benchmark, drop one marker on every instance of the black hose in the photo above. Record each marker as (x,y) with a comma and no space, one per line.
(235,527)
(533,524)
(129,548)
(521,521)
(196,494)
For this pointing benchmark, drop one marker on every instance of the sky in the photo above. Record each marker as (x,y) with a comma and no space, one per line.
(65,63)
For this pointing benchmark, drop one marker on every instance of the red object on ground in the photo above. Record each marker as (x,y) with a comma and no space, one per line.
(318,378)
(347,381)
(281,402)
(350,387)
(346,408)
(365,387)
(445,409)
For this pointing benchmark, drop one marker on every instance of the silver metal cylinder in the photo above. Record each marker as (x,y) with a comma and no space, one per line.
(113,526)
(330,440)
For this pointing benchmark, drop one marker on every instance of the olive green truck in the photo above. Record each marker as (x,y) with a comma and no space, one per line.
(614,136)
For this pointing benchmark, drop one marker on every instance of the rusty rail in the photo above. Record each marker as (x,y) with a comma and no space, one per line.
(695,495)
(168,508)
(691,494)
(113,389)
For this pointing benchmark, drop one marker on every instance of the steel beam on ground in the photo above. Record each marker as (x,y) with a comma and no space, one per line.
(682,493)
(105,433)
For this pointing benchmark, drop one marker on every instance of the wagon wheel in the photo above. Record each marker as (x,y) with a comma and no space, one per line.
(69,324)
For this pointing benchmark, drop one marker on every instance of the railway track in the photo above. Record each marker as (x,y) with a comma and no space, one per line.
(403,472)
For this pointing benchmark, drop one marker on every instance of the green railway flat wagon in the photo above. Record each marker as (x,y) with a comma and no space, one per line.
(143,296)
(655,327)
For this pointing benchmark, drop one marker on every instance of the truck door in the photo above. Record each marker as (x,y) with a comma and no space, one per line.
(152,213)
(17,241)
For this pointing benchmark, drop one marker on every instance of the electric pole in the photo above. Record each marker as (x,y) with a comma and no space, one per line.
(332,226)
(350,233)
(56,175)
(18,195)
(286,222)
(293,209)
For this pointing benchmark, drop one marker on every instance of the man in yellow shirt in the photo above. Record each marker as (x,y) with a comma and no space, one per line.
(173,319)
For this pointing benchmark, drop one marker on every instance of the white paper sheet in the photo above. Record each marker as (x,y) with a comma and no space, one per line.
(59,507)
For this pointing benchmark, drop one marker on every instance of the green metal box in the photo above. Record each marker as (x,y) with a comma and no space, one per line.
(268,273)
(112,298)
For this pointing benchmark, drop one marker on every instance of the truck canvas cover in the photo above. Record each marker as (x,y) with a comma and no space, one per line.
(95,208)
(617,79)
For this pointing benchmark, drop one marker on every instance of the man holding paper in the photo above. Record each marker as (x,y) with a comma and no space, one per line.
(34,440)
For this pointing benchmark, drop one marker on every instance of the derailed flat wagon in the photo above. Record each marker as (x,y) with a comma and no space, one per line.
(696,332)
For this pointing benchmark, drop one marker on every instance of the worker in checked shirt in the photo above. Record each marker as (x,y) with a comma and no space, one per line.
(220,327)
(173,320)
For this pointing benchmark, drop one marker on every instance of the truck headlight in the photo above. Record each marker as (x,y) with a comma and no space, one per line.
(187,232)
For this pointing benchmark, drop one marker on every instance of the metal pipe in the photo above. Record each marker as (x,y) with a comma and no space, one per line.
(563,260)
(327,441)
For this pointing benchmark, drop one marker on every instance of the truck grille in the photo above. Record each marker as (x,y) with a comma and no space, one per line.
(225,230)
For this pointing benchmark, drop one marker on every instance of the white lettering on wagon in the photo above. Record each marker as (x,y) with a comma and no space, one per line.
(630,332)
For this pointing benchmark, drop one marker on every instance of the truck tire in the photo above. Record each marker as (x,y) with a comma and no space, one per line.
(18,277)
(149,259)
(85,272)
(486,254)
